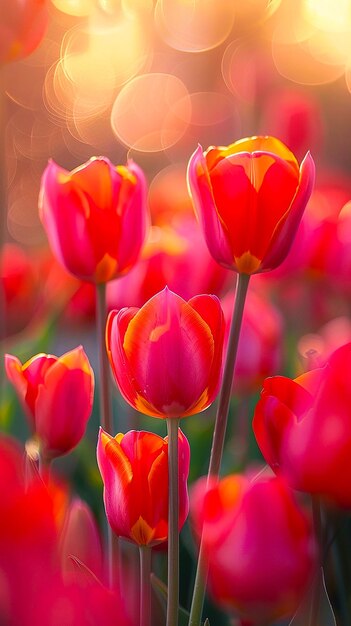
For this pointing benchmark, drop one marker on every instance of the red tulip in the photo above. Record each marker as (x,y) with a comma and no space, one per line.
(95,217)
(303,428)
(32,590)
(57,395)
(259,545)
(250,197)
(134,469)
(166,356)
(19,285)
(22,27)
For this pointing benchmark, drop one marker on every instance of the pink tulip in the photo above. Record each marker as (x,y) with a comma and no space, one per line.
(95,217)
(303,428)
(57,395)
(80,539)
(166,356)
(259,545)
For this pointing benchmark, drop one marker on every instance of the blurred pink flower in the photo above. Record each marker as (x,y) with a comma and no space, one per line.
(22,27)
(259,545)
(176,256)
(303,428)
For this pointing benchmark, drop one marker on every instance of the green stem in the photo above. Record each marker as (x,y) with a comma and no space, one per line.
(219,436)
(145,585)
(104,371)
(173,524)
(106,416)
(317,587)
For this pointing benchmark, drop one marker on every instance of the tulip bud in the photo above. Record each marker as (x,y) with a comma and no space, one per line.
(259,545)
(303,428)
(134,469)
(57,395)
(250,197)
(94,217)
(166,356)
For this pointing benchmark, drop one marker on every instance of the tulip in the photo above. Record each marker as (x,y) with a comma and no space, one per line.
(166,356)
(94,217)
(134,469)
(32,590)
(259,545)
(303,428)
(19,286)
(80,539)
(57,395)
(22,27)
(250,197)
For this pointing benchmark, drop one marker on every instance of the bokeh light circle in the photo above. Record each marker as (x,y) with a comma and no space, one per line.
(194,25)
(152,112)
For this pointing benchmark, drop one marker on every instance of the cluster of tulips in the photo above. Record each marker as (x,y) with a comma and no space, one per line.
(260,551)
(262,536)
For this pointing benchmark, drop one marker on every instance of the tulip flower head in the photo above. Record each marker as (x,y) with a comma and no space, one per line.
(57,395)
(22,26)
(259,545)
(303,428)
(166,356)
(95,217)
(134,469)
(250,197)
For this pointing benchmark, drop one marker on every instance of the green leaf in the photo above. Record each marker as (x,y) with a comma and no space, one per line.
(325,615)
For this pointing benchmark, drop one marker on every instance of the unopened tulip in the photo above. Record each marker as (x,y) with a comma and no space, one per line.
(80,539)
(259,545)
(95,217)
(303,428)
(166,356)
(250,197)
(134,469)
(22,26)
(57,395)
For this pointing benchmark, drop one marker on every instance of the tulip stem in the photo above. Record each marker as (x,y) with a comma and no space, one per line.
(219,436)
(173,523)
(145,585)
(104,373)
(106,416)
(317,587)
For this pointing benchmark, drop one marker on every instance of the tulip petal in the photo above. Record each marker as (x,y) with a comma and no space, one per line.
(286,229)
(164,341)
(201,191)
